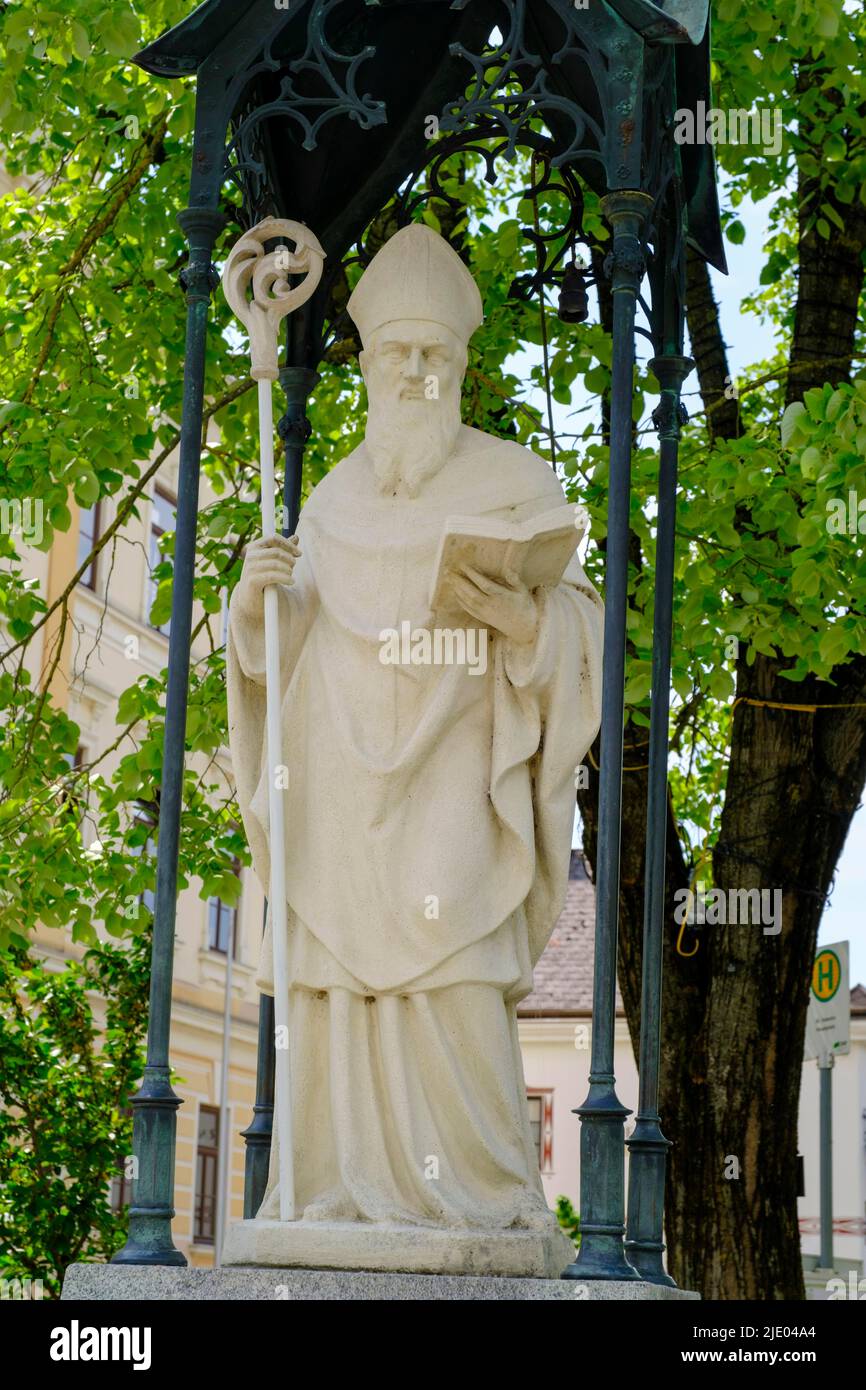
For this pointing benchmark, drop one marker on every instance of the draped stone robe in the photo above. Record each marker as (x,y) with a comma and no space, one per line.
(429,814)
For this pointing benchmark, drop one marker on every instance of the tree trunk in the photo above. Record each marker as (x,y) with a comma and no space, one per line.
(794,781)
(734,1011)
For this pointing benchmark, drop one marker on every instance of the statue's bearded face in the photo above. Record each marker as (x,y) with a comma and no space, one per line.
(413,370)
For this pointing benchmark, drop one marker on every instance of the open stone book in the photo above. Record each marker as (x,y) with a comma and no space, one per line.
(537,551)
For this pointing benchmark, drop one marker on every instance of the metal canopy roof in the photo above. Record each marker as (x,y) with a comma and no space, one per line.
(338,178)
(181,50)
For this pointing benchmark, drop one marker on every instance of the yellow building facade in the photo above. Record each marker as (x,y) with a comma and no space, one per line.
(108,643)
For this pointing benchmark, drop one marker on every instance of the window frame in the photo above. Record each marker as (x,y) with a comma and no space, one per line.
(209,1156)
(221,908)
(145,817)
(155,531)
(89,577)
(544,1149)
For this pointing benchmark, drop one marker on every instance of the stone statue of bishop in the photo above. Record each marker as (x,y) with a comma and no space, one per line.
(429,807)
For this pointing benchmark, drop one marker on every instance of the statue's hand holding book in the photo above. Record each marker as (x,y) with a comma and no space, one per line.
(491,568)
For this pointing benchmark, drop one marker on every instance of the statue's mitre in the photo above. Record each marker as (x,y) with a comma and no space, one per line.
(416,275)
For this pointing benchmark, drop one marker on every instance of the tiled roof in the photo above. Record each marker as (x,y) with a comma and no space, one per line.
(563,976)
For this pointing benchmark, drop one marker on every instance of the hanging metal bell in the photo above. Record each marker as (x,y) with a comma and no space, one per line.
(573,298)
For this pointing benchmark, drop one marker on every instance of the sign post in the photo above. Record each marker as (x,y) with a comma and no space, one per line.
(828,1032)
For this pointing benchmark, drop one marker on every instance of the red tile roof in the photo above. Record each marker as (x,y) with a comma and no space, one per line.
(563,976)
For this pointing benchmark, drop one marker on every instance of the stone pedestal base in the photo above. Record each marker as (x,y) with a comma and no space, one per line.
(125,1283)
(356,1245)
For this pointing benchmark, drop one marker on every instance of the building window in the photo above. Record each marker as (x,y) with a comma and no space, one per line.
(88,535)
(146,847)
(536,1117)
(148,897)
(161,520)
(540,1103)
(222,924)
(207,1156)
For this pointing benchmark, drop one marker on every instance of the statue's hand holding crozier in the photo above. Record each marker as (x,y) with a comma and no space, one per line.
(267,561)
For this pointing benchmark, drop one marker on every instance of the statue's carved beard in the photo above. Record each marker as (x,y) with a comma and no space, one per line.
(409,440)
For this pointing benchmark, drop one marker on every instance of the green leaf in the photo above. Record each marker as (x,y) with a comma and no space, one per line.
(789,421)
(682,683)
(834,644)
(830,212)
(721,684)
(80,40)
(9,409)
(120,31)
(60,517)
(827,19)
(810,462)
(86,489)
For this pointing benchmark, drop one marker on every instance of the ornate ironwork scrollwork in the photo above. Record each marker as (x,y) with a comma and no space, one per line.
(510,82)
(513,100)
(551,247)
(487,143)
(337,95)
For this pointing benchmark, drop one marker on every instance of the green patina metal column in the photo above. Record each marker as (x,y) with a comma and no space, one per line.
(294,430)
(155,1104)
(257,1135)
(647,1145)
(602,1115)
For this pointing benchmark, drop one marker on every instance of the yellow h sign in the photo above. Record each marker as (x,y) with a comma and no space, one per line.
(826,975)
